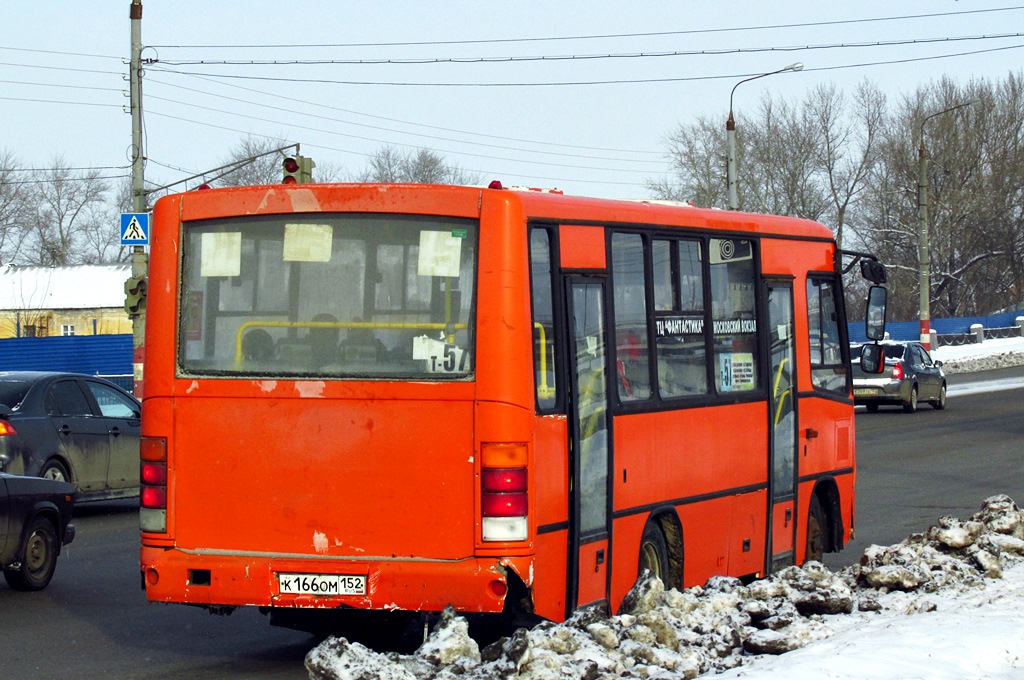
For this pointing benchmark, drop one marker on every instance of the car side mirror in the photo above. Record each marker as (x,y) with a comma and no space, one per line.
(872,359)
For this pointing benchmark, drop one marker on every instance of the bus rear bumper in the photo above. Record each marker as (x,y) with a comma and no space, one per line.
(474,584)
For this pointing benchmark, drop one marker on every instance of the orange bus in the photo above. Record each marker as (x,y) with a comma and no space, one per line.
(403,397)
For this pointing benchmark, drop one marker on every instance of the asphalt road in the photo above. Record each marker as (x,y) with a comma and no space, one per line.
(915,468)
(93,621)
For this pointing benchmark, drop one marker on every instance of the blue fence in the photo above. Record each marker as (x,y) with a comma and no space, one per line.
(911,330)
(106,355)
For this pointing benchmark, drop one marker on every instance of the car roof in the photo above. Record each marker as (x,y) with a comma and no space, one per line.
(40,375)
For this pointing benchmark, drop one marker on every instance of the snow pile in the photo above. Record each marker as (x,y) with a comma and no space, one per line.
(722,625)
(999,353)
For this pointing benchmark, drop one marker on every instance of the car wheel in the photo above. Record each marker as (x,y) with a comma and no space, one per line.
(872,408)
(910,406)
(815,531)
(654,552)
(55,470)
(940,403)
(39,559)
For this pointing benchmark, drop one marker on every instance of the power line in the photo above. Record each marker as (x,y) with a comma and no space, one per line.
(61,53)
(491,173)
(292,110)
(707,31)
(63,86)
(81,169)
(49,180)
(64,68)
(60,101)
(576,57)
(618,81)
(406,122)
(377,141)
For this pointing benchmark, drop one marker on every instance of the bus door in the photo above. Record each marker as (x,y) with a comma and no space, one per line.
(783,427)
(589,443)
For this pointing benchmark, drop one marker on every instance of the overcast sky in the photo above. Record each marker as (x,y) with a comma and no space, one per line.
(591,125)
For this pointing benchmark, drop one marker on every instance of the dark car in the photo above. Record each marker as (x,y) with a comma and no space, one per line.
(910,377)
(71,428)
(35,521)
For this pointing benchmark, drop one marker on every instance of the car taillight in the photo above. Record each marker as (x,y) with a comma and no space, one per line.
(6,428)
(504,506)
(153,487)
(897,372)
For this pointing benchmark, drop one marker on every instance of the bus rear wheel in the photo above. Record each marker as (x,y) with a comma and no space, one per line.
(654,552)
(815,531)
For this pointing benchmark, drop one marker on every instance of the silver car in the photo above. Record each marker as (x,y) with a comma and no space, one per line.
(909,378)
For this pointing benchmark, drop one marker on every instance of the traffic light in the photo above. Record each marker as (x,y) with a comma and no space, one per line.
(298,170)
(134,295)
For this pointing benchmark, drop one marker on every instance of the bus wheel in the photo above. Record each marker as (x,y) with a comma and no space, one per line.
(815,531)
(654,552)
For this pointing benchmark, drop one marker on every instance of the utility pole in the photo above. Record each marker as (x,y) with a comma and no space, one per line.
(140,260)
(923,256)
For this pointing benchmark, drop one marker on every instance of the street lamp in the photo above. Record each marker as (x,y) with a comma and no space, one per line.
(730,134)
(923,257)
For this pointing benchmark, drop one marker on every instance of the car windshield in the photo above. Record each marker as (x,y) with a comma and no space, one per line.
(12,392)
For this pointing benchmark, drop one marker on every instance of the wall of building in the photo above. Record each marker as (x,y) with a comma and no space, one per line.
(51,323)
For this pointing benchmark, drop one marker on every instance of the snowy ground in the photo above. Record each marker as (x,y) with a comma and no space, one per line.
(945,603)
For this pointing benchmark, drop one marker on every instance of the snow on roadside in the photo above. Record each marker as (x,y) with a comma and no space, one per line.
(879,618)
(998,353)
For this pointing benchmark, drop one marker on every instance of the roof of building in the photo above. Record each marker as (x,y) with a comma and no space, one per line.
(84,286)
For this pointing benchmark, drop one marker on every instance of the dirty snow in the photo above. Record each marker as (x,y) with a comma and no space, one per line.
(945,603)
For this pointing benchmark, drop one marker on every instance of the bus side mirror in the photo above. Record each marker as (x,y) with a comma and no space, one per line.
(872,359)
(874,319)
(872,270)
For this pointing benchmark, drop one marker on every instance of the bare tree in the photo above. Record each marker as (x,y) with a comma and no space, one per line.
(422,167)
(776,163)
(975,222)
(696,154)
(264,167)
(848,146)
(12,209)
(65,202)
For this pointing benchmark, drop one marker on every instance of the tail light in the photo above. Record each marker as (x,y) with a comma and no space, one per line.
(6,429)
(897,371)
(504,506)
(153,484)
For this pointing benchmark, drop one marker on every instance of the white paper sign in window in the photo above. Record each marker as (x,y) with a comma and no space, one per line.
(439,356)
(221,254)
(307,242)
(440,254)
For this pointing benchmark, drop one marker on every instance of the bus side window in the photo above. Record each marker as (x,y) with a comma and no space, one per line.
(541,272)
(632,362)
(828,371)
(679,323)
(734,315)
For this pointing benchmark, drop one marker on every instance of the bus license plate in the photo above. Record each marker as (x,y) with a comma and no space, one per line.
(322,584)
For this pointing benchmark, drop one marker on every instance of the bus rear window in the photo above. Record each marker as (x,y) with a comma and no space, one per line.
(328,296)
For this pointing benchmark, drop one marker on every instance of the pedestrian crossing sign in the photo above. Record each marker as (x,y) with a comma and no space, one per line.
(135,229)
